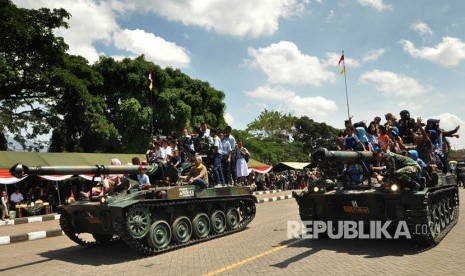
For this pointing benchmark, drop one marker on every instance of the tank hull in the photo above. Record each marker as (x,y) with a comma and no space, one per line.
(131,215)
(429,214)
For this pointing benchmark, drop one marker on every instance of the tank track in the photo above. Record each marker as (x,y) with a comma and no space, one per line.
(436,216)
(140,246)
(68,229)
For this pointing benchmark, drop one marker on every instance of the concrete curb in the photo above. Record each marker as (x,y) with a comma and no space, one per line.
(30,236)
(275,198)
(266,192)
(17,221)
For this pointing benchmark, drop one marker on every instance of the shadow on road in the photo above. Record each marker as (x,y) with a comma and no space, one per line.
(109,254)
(365,248)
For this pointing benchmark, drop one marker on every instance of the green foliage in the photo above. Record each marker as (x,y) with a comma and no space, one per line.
(29,57)
(267,137)
(272,124)
(314,135)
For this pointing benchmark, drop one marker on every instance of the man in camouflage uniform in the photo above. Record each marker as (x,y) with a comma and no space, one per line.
(402,168)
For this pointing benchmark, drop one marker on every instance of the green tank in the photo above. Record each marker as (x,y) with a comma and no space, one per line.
(150,220)
(429,213)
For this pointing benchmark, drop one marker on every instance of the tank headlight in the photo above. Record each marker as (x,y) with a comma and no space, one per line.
(103,200)
(316,189)
(69,200)
(394,187)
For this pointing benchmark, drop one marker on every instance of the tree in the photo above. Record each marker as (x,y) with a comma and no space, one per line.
(314,135)
(272,124)
(29,57)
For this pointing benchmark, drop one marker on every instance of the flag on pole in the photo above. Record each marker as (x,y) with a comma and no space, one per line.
(151,81)
(343,70)
(340,60)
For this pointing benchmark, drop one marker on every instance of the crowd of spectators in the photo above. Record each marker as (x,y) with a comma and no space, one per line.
(224,157)
(427,144)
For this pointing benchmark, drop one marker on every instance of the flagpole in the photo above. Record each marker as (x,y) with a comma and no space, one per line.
(151,115)
(151,102)
(345,82)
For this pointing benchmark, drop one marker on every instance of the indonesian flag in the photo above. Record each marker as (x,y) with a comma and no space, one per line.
(340,60)
(151,81)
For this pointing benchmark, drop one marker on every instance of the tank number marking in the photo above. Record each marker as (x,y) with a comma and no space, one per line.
(358,210)
(186,192)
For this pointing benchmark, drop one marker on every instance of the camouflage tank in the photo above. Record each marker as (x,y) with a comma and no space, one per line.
(152,220)
(430,213)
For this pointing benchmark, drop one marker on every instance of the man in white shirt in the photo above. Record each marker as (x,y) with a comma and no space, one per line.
(16,198)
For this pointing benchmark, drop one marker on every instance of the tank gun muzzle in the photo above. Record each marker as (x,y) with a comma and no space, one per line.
(20,170)
(323,154)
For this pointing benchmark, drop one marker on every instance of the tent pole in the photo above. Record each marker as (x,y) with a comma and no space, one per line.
(58,190)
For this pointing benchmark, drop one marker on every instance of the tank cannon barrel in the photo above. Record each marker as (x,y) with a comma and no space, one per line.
(20,170)
(323,154)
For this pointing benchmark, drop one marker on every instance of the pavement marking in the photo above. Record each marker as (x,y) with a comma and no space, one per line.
(266,192)
(37,235)
(247,260)
(4,240)
(270,199)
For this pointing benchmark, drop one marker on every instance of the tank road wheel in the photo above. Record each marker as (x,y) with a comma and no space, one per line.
(182,229)
(442,215)
(437,219)
(218,220)
(138,221)
(445,211)
(431,217)
(159,236)
(201,226)
(451,209)
(232,218)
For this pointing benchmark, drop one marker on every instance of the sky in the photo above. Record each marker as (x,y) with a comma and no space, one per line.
(283,54)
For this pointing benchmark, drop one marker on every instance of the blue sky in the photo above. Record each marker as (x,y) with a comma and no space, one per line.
(283,54)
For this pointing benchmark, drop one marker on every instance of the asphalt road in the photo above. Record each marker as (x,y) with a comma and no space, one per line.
(261,249)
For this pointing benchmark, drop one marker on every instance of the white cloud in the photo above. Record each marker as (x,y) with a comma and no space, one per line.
(89,22)
(422,28)
(378,5)
(237,18)
(330,16)
(229,118)
(449,121)
(450,52)
(155,48)
(315,107)
(374,55)
(95,21)
(285,64)
(270,93)
(392,84)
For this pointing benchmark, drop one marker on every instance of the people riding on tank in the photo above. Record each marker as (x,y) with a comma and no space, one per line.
(198,174)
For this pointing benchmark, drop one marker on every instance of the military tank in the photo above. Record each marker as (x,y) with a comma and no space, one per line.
(430,213)
(151,220)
